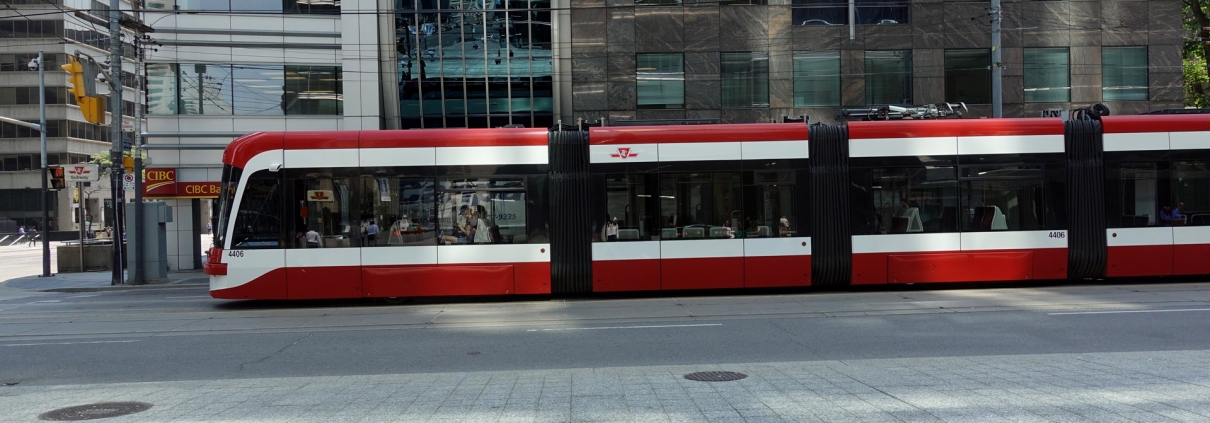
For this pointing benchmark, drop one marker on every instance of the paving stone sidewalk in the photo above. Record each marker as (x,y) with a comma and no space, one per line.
(97,280)
(1138,386)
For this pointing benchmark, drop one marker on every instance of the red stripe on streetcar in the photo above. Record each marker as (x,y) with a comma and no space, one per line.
(1155,123)
(269,286)
(1139,260)
(980,266)
(955,128)
(320,140)
(1190,259)
(245,148)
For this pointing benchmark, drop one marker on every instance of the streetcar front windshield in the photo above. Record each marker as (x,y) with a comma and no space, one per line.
(226,197)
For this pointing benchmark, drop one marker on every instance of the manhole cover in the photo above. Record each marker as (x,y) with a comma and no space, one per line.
(715,376)
(99,410)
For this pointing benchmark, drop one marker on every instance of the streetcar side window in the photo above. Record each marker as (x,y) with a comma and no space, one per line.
(398,211)
(769,197)
(226,198)
(1007,198)
(695,205)
(486,210)
(322,208)
(904,200)
(632,211)
(1137,190)
(258,220)
(1191,191)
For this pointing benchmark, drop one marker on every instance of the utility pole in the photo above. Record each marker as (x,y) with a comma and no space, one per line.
(115,134)
(136,272)
(45,192)
(997,66)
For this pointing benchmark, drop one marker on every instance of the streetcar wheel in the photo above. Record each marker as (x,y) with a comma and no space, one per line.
(394,300)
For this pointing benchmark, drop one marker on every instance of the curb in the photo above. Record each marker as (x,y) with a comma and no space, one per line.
(123,287)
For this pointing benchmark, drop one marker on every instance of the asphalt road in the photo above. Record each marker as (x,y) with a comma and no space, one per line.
(182,334)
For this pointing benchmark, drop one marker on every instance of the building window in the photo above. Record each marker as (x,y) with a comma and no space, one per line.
(1047,75)
(661,80)
(283,6)
(205,89)
(245,90)
(745,80)
(817,78)
(888,77)
(881,12)
(968,76)
(820,12)
(1124,73)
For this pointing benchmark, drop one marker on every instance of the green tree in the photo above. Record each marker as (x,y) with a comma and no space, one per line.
(1195,67)
(106,164)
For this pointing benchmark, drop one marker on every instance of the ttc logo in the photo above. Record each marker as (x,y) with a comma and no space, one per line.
(80,170)
(624,153)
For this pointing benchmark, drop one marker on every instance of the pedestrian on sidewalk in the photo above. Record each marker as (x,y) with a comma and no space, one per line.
(33,236)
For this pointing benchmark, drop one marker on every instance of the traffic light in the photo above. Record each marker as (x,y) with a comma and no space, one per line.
(84,89)
(128,164)
(57,180)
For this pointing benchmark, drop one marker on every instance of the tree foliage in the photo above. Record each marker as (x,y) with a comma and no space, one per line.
(106,164)
(1195,67)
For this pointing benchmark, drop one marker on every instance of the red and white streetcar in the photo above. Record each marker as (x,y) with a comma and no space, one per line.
(505,211)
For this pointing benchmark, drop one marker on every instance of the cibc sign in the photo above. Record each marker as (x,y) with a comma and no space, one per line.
(162,183)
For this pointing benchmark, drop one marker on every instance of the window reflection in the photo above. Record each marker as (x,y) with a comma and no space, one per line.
(204,89)
(486,64)
(631,210)
(1000,198)
(1191,191)
(322,210)
(286,6)
(258,90)
(264,90)
(398,211)
(705,205)
(904,200)
(481,211)
(1139,188)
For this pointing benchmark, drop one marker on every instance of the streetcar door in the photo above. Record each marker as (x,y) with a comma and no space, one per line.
(323,258)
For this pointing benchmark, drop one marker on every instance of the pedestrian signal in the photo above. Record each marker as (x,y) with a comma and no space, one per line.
(57,178)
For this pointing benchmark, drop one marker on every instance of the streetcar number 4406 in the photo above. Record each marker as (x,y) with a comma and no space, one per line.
(235,253)
(1058,234)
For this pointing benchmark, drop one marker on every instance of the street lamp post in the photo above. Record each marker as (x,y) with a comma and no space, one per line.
(41,66)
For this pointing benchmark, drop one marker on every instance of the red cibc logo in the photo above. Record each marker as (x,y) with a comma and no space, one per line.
(624,153)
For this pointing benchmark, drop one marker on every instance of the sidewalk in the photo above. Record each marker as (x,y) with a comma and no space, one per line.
(100,281)
(20,266)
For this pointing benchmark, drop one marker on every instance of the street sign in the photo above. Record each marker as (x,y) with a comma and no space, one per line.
(128,185)
(84,172)
(128,178)
(127,125)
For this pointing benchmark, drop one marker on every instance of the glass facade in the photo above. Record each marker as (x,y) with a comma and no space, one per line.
(243,90)
(968,76)
(661,80)
(1047,75)
(888,77)
(1124,73)
(267,6)
(817,78)
(745,79)
(474,64)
